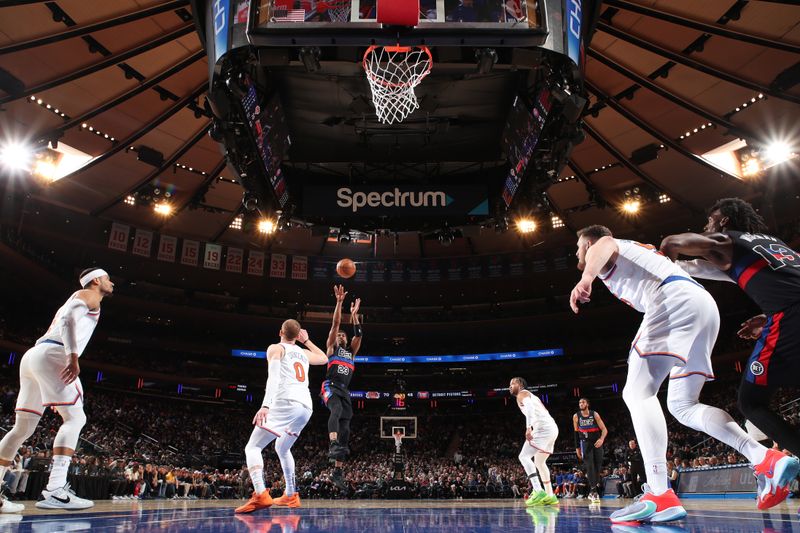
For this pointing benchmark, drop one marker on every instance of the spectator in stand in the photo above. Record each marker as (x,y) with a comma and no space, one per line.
(636,467)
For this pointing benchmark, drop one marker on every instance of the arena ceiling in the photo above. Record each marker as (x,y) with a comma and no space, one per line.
(668,81)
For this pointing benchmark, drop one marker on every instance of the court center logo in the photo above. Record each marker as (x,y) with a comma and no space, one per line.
(756,368)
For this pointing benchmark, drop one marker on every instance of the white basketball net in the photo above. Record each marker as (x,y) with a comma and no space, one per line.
(393,72)
(338,10)
(398,440)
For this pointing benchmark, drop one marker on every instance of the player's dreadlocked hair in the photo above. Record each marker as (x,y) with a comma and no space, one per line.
(741,215)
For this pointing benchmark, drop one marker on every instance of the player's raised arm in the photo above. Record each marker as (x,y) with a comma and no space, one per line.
(716,248)
(315,355)
(340,294)
(355,343)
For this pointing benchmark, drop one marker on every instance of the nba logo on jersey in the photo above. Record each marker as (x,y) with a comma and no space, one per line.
(756,368)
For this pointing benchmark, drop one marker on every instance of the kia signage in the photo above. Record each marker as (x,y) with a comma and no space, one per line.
(396,201)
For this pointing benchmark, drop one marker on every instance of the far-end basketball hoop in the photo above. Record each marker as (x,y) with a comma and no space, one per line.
(398,441)
(393,72)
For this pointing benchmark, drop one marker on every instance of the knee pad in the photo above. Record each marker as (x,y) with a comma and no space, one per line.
(24,426)
(70,430)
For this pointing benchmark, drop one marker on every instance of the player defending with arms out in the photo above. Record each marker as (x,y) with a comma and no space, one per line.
(736,249)
(284,413)
(590,434)
(48,377)
(541,433)
(675,339)
(335,390)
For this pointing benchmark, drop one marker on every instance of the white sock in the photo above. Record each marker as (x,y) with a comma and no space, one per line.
(58,472)
(257,477)
(657,476)
(3,470)
(534,479)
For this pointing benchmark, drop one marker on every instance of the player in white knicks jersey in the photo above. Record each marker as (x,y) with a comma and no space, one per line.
(675,339)
(48,377)
(284,413)
(541,433)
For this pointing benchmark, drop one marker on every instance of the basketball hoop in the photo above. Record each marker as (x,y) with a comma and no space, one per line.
(393,72)
(398,441)
(338,10)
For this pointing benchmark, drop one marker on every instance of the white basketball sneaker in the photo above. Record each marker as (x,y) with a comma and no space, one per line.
(7,506)
(63,498)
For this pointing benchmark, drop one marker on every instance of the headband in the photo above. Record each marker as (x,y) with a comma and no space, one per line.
(91,276)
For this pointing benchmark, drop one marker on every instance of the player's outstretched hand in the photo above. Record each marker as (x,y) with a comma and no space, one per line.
(354,306)
(302,336)
(580,294)
(752,327)
(339,292)
(261,417)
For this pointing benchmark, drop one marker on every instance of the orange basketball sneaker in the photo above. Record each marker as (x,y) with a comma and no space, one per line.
(256,502)
(774,474)
(651,508)
(287,501)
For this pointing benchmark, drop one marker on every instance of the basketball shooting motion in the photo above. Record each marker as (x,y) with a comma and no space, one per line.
(675,339)
(284,413)
(541,433)
(335,389)
(48,377)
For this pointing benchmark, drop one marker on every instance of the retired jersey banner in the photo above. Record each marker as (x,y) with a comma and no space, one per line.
(167,248)
(142,243)
(277,266)
(213,257)
(299,267)
(191,253)
(233,263)
(118,239)
(255,263)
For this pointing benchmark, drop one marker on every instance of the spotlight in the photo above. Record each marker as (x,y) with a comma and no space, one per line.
(130,200)
(163,209)
(16,156)
(631,206)
(310,58)
(751,167)
(777,152)
(446,236)
(266,226)
(663,198)
(556,222)
(526,225)
(250,202)
(486,59)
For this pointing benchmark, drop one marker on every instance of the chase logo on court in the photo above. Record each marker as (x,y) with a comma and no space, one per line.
(756,368)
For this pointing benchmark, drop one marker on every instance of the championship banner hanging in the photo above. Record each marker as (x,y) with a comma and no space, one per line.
(255,263)
(299,267)
(212,259)
(277,266)
(118,239)
(142,243)
(167,248)
(233,263)
(190,253)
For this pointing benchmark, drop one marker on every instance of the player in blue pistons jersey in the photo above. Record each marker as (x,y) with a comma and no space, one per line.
(335,389)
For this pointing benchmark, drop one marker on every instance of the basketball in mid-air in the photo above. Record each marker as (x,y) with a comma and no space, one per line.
(346,268)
